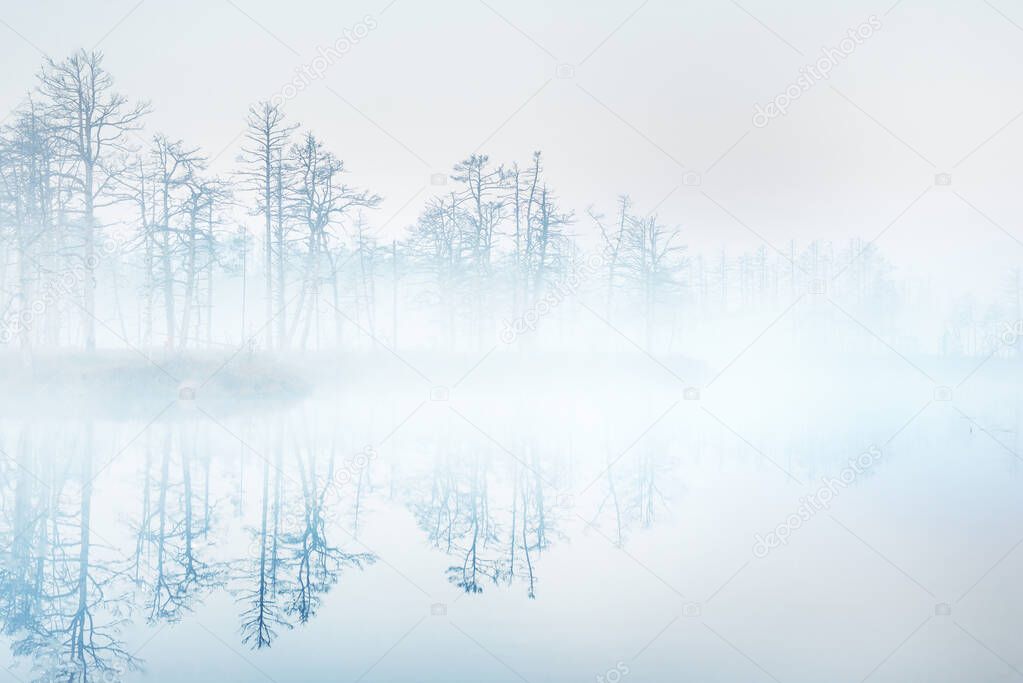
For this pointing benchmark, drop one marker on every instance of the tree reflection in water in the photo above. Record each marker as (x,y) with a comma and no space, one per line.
(93,544)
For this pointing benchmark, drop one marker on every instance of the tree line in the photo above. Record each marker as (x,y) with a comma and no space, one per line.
(106,232)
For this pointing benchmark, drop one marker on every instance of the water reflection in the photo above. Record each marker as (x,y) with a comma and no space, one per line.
(634,493)
(67,595)
(193,519)
(109,527)
(493,518)
(172,536)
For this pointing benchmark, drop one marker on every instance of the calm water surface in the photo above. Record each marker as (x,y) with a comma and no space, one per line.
(608,534)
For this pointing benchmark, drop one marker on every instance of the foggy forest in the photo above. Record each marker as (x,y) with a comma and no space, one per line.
(264,418)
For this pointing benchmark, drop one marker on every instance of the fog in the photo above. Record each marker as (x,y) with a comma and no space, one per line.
(705,362)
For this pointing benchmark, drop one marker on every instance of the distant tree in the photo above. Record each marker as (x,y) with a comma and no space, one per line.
(612,241)
(29,189)
(654,262)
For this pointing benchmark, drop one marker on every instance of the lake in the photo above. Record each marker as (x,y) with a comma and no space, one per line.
(797,524)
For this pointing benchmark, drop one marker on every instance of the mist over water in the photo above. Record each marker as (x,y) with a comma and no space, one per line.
(510,342)
(551,528)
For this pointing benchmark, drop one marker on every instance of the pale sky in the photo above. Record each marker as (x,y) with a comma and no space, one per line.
(656,90)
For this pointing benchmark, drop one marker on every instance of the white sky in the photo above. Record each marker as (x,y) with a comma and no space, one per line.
(668,91)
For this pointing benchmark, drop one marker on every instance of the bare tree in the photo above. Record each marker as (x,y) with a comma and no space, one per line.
(92,123)
(28,195)
(319,201)
(266,140)
(483,196)
(612,240)
(654,262)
